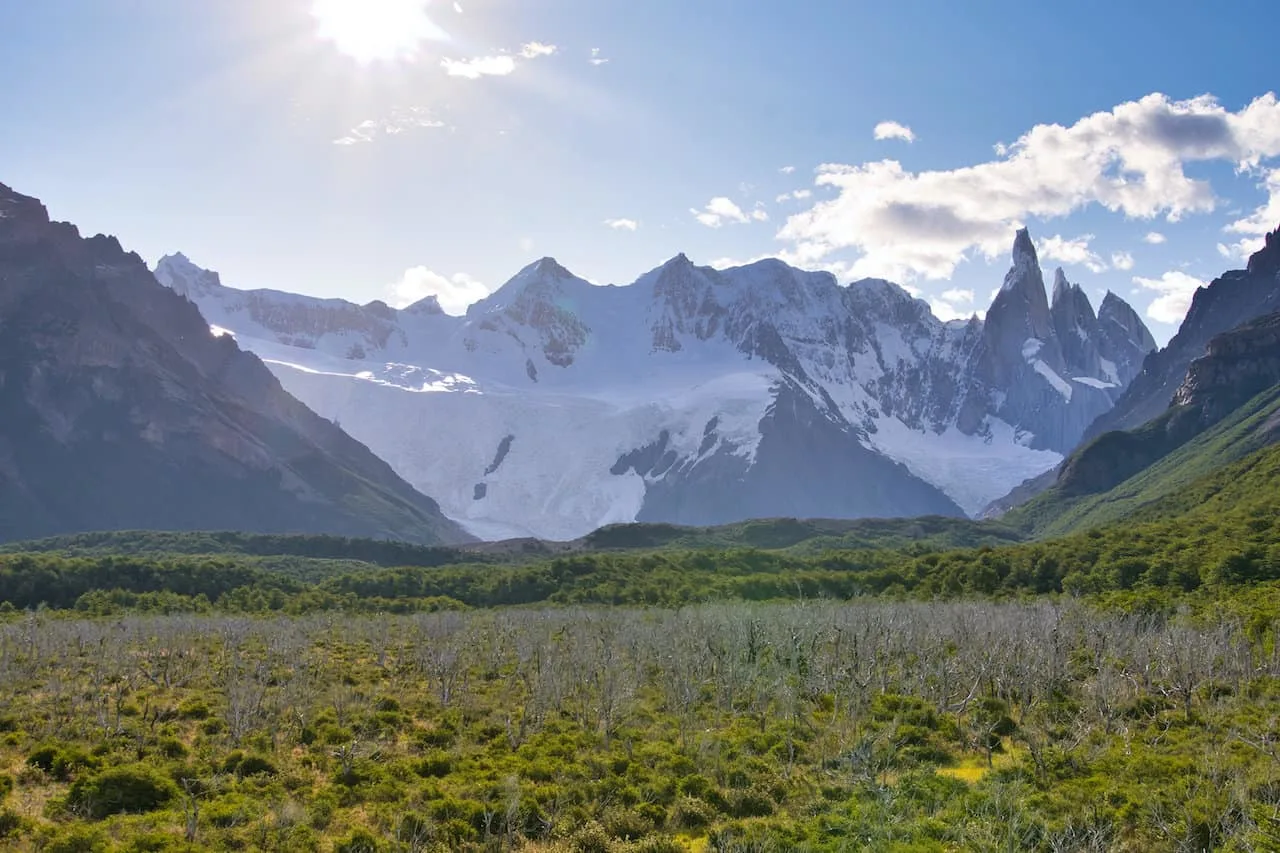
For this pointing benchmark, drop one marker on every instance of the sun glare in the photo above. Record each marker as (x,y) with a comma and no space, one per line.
(376,30)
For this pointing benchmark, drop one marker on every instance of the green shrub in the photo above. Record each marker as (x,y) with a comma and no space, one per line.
(135,788)
(360,841)
(435,764)
(77,839)
(61,762)
(255,765)
(6,785)
(11,823)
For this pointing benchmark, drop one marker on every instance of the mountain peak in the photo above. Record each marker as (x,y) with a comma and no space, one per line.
(178,273)
(1266,261)
(1023,248)
(1061,287)
(549,266)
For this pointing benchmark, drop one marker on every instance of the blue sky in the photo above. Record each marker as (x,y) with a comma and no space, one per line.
(392,148)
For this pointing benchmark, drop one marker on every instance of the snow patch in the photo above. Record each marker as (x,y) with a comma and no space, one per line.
(219,332)
(1031,348)
(1094,383)
(972,470)
(1110,372)
(1060,385)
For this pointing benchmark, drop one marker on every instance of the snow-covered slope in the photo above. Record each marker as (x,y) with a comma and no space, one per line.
(693,395)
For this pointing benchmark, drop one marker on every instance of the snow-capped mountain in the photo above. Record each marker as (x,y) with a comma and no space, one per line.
(696,395)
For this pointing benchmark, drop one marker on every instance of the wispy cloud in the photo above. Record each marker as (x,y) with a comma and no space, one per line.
(534,49)
(787,170)
(1155,238)
(400,120)
(622,224)
(894,130)
(797,195)
(480,66)
(1175,289)
(1122,260)
(498,65)
(1129,160)
(596,59)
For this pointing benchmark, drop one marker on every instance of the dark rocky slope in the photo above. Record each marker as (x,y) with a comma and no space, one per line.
(122,410)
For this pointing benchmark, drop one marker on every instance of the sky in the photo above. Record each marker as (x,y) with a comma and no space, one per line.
(391,149)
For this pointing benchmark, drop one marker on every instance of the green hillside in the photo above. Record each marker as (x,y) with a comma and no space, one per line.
(1058,512)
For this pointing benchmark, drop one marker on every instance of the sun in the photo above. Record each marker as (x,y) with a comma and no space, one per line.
(376,30)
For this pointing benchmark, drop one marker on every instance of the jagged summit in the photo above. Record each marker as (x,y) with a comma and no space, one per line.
(1266,261)
(1061,287)
(1024,250)
(700,395)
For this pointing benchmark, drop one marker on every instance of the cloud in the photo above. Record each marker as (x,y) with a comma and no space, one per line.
(948,306)
(787,170)
(1259,223)
(1155,238)
(1175,289)
(719,211)
(534,49)
(1122,260)
(454,292)
(1073,251)
(1128,160)
(480,66)
(596,59)
(797,195)
(400,120)
(893,130)
(622,224)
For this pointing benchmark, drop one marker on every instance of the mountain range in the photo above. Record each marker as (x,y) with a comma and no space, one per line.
(697,395)
(122,410)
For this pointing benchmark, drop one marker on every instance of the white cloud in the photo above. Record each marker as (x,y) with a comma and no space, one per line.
(1175,289)
(534,49)
(797,195)
(1259,223)
(1129,160)
(949,305)
(719,211)
(480,66)
(596,59)
(1122,260)
(1073,251)
(894,130)
(622,224)
(759,214)
(787,170)
(400,120)
(454,292)
(1155,238)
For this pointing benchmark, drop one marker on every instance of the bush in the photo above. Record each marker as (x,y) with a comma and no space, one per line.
(132,789)
(82,839)
(6,786)
(360,841)
(10,823)
(60,762)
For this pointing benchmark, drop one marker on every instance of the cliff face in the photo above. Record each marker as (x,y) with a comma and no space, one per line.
(1234,298)
(122,410)
(1236,366)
